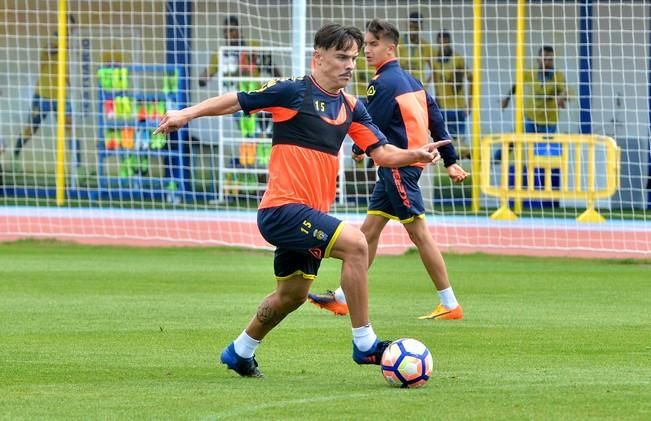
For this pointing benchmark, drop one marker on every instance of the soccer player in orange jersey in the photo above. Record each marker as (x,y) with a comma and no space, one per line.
(406,114)
(312,116)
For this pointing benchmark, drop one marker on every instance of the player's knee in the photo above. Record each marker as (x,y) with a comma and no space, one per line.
(370,232)
(357,247)
(419,236)
(371,235)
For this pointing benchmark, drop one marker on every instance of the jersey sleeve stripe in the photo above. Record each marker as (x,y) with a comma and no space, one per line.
(279,114)
(362,135)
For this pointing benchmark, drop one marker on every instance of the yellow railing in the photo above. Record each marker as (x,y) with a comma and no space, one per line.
(573,155)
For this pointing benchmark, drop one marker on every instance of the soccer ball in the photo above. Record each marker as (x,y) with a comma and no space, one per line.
(407,363)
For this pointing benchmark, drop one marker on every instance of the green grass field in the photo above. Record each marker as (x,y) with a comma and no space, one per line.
(131,333)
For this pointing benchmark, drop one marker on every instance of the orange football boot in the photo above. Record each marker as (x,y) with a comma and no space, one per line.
(328,302)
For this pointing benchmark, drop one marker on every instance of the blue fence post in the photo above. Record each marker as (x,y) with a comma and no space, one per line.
(585,65)
(179,49)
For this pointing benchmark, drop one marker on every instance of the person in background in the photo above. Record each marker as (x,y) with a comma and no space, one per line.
(242,63)
(545,93)
(44,101)
(449,74)
(415,53)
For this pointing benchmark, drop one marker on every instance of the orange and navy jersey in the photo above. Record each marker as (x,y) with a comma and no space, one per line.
(405,112)
(310,125)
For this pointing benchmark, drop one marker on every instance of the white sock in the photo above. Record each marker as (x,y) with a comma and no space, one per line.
(364,337)
(447,298)
(245,345)
(339,296)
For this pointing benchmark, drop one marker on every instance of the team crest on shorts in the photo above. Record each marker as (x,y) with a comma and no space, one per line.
(320,235)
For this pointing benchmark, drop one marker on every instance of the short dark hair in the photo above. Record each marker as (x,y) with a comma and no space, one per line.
(546,49)
(382,29)
(444,34)
(338,36)
(415,16)
(231,20)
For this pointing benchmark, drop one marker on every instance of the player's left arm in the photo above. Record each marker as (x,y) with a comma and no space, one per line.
(438,132)
(390,156)
(365,133)
(370,140)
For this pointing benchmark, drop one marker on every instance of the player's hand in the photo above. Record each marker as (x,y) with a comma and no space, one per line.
(429,153)
(505,102)
(456,173)
(357,153)
(428,157)
(172,121)
(356,157)
(436,159)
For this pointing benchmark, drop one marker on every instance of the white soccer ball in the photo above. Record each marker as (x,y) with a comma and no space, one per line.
(407,363)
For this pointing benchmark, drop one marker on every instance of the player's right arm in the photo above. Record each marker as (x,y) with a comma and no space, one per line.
(220,105)
(278,97)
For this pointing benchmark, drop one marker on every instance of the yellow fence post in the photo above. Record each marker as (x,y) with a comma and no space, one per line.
(519,100)
(60,170)
(476,102)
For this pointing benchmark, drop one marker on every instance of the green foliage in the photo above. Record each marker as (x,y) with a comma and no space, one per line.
(131,333)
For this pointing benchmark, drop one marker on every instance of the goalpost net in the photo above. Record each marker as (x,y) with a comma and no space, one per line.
(130,61)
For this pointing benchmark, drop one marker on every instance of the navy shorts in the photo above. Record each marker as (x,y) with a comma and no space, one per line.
(302,236)
(396,194)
